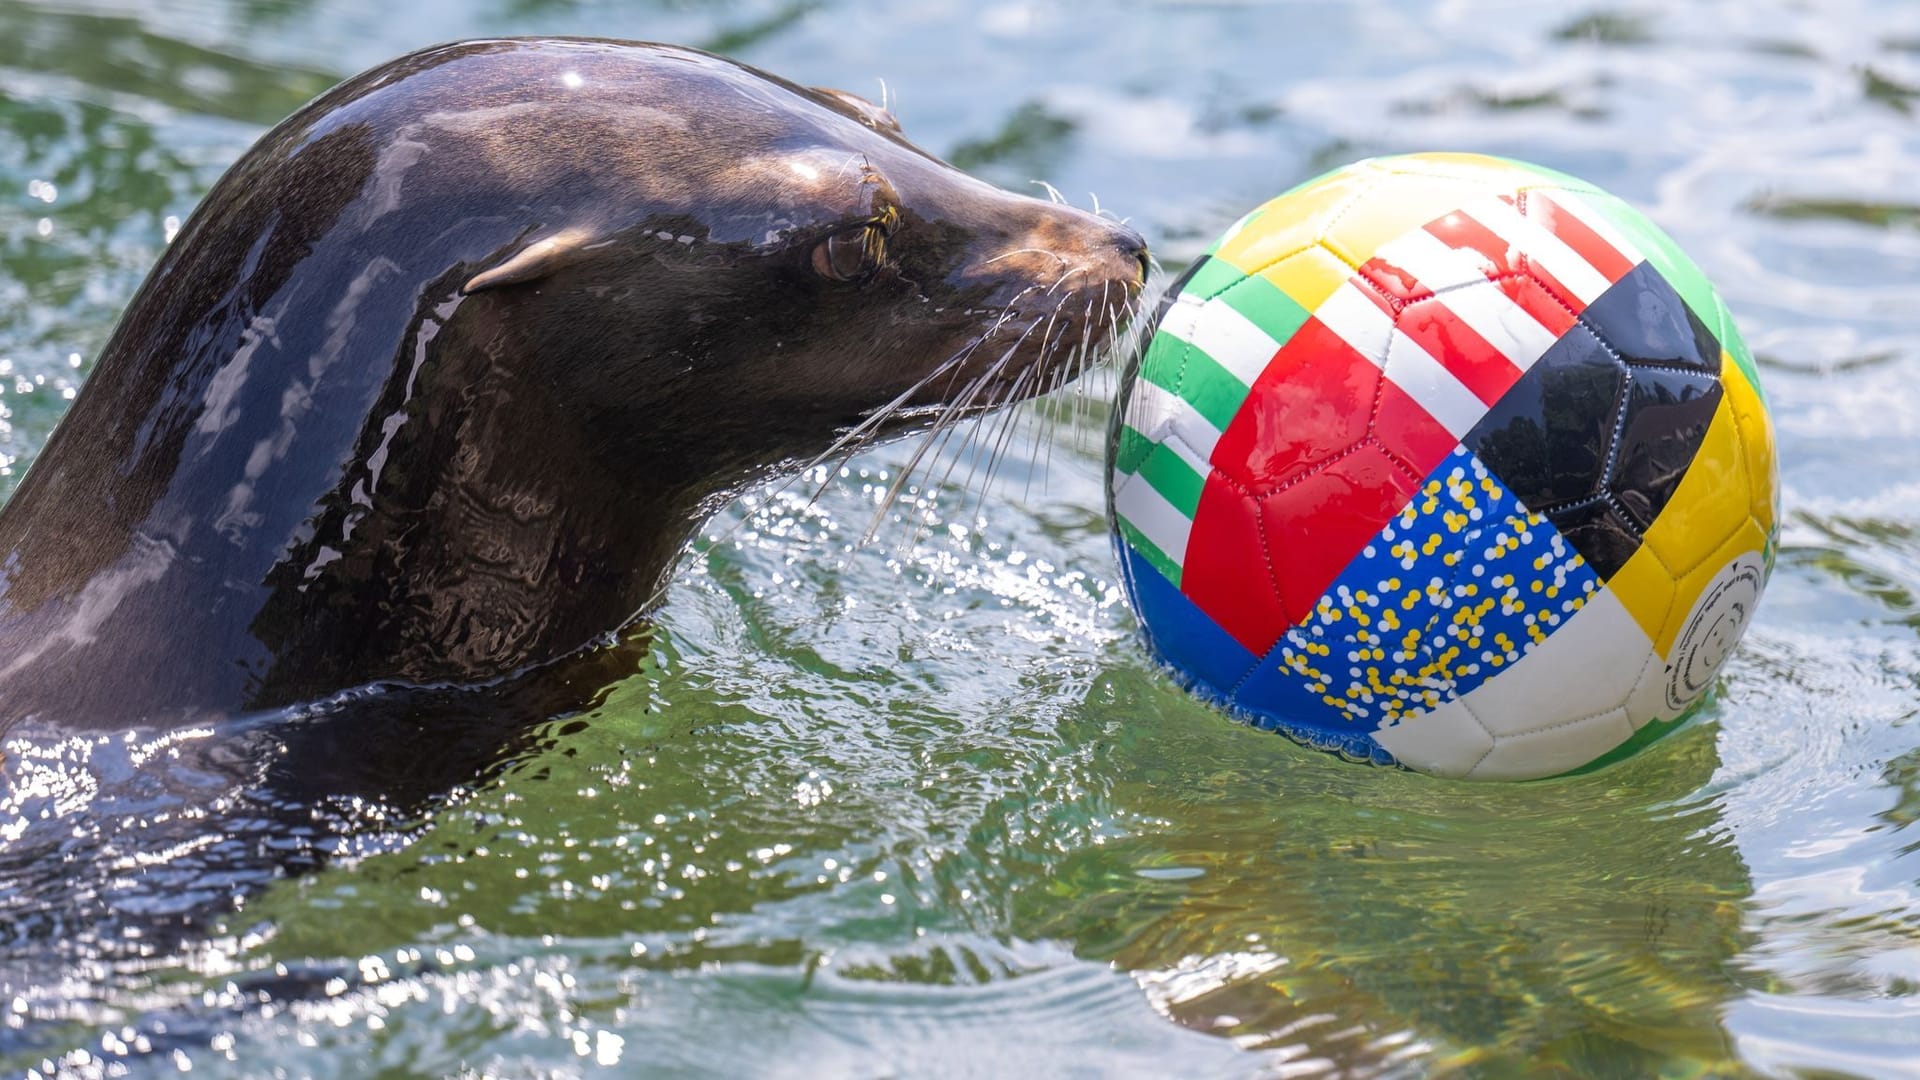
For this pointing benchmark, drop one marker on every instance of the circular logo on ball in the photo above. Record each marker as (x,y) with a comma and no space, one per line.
(1713,629)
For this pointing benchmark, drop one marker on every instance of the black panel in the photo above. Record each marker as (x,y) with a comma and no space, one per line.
(1668,412)
(1599,534)
(1546,438)
(1646,322)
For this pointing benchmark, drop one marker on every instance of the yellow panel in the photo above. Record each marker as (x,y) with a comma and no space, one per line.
(1645,589)
(1293,222)
(1309,277)
(1756,439)
(1687,589)
(1402,202)
(1713,499)
(1499,172)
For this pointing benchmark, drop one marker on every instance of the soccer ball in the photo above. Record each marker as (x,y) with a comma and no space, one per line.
(1446,461)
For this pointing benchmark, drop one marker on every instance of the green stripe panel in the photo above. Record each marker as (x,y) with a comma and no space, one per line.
(1134,447)
(1736,347)
(1174,479)
(1211,277)
(1154,556)
(1266,306)
(1194,377)
(1566,180)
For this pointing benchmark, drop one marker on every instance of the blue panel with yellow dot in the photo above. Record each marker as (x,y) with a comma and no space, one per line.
(1456,588)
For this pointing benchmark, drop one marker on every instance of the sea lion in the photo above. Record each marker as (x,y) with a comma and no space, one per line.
(438,379)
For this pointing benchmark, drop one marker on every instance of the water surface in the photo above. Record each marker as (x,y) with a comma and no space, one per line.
(922,806)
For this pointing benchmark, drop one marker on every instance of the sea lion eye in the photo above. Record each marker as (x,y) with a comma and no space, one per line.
(851,254)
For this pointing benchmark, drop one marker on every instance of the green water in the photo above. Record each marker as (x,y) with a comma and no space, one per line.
(922,807)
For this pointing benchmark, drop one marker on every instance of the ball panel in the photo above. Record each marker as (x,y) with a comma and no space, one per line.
(1310,405)
(1553,750)
(1746,542)
(1179,633)
(1316,526)
(1645,588)
(1666,417)
(1727,591)
(1547,438)
(1293,223)
(1712,499)
(1603,535)
(1154,415)
(1589,665)
(1755,432)
(1447,741)
(1213,331)
(1645,322)
(1229,570)
(1408,432)
(1600,247)
(1659,249)
(1485,367)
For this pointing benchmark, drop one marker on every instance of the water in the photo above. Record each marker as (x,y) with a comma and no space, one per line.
(921,806)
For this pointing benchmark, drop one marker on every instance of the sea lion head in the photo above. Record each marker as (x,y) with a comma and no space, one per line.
(792,251)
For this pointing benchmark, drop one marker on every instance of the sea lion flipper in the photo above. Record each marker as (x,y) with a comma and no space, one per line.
(535,260)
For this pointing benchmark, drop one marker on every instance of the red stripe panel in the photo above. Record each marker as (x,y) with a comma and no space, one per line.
(1576,234)
(1408,432)
(1227,572)
(1310,403)
(1546,308)
(1316,527)
(1462,231)
(1391,282)
(1479,366)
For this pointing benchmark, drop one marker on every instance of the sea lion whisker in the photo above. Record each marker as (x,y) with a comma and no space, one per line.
(899,483)
(987,379)
(1053,193)
(1054,255)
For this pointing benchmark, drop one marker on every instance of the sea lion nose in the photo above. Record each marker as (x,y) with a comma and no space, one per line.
(1133,246)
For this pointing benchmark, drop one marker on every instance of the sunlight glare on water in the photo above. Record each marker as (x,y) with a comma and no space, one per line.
(922,806)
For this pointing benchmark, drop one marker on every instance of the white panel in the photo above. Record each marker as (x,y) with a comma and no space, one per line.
(1160,415)
(1234,341)
(1446,741)
(1504,324)
(1554,750)
(1358,321)
(1589,664)
(1433,263)
(1576,205)
(1542,247)
(1157,519)
(1414,370)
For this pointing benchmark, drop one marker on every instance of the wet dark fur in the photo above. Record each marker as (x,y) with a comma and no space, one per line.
(437,381)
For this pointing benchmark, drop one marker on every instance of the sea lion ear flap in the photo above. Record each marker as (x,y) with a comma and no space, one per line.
(861,109)
(532,262)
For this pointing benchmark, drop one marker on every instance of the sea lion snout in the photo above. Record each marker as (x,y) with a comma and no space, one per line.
(1070,241)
